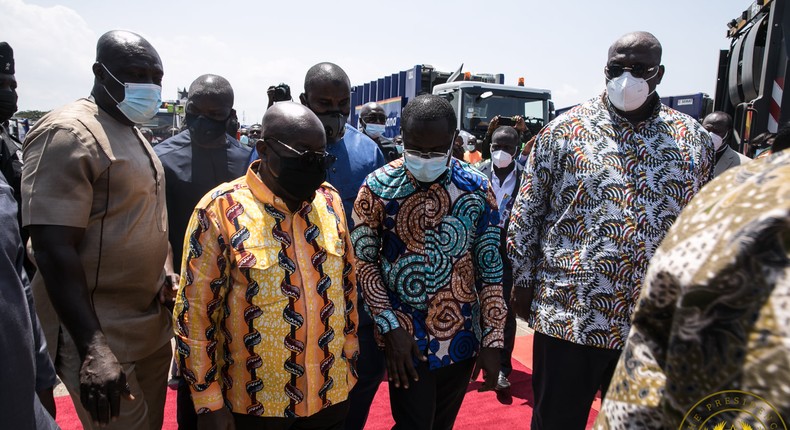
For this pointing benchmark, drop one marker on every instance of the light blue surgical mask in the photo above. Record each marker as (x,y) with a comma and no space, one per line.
(426,166)
(140,101)
(375,130)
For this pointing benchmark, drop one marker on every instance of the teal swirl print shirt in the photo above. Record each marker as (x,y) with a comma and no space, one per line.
(428,259)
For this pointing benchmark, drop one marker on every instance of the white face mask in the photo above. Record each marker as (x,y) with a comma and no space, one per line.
(718,141)
(628,93)
(501,159)
(470,147)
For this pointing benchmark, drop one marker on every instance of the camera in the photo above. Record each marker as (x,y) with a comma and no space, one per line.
(279,93)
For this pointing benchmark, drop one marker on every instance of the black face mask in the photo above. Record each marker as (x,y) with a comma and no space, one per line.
(203,130)
(7,104)
(300,177)
(334,125)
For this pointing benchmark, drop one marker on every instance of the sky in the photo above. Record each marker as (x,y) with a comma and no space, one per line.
(560,45)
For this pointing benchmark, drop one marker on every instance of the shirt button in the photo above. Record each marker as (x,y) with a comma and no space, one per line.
(334,170)
(277,200)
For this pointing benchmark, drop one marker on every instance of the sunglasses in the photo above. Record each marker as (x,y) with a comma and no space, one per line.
(637,70)
(308,158)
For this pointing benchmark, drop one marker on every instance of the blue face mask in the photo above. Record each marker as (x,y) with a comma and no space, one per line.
(426,167)
(375,130)
(140,101)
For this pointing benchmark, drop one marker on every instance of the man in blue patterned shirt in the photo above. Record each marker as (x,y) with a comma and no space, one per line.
(603,184)
(427,241)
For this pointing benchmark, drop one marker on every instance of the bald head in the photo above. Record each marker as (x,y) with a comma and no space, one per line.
(120,44)
(640,41)
(325,74)
(123,57)
(718,122)
(296,125)
(213,86)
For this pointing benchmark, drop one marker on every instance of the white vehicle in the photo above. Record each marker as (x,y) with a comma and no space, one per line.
(476,103)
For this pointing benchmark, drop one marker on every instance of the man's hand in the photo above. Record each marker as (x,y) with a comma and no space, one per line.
(521,302)
(399,347)
(528,146)
(220,419)
(521,125)
(47,399)
(169,290)
(492,125)
(488,361)
(102,384)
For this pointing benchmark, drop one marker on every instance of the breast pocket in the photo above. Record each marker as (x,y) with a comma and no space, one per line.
(265,273)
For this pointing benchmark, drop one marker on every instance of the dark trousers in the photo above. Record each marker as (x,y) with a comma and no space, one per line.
(370,369)
(432,403)
(331,418)
(510,331)
(565,378)
(185,408)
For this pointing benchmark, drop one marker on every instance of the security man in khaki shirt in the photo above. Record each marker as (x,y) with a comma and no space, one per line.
(93,199)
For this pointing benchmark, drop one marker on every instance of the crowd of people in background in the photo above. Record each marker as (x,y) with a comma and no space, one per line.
(301,261)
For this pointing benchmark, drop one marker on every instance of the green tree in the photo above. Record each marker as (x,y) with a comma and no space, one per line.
(33,115)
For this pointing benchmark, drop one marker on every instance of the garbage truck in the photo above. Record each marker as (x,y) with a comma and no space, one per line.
(752,73)
(476,98)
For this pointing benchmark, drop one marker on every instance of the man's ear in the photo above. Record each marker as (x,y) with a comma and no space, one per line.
(303,98)
(260,147)
(98,71)
(660,74)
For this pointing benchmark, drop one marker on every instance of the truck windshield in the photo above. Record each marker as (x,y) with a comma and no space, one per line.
(161,124)
(476,112)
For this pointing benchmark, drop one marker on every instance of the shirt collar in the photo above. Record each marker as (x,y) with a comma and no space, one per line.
(495,178)
(261,191)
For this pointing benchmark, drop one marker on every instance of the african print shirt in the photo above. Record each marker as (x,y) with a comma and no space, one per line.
(265,313)
(428,259)
(597,196)
(714,316)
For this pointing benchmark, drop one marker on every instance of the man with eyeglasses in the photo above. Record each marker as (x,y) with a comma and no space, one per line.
(266,310)
(427,240)
(602,186)
(373,122)
(195,161)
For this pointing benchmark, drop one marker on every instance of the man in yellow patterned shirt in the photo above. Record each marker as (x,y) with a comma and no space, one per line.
(265,315)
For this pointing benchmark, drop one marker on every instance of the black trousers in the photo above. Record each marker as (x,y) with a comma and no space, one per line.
(371,368)
(510,331)
(331,418)
(185,408)
(565,378)
(432,403)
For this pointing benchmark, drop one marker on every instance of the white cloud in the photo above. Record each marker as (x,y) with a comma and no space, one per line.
(54,49)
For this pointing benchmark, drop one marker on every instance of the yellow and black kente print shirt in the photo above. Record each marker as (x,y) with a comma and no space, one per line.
(265,314)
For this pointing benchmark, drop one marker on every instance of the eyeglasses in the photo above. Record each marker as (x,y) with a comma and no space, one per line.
(374,119)
(308,158)
(416,153)
(637,70)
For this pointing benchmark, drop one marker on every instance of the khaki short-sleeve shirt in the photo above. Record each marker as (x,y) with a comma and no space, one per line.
(85,169)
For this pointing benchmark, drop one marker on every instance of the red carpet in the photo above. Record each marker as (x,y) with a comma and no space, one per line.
(510,411)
